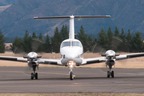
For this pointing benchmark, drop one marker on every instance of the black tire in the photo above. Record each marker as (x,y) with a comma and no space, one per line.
(71,76)
(36,75)
(32,76)
(108,74)
(112,74)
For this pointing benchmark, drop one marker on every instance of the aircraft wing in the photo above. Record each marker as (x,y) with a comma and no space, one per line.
(103,59)
(11,58)
(50,61)
(93,60)
(127,56)
(40,60)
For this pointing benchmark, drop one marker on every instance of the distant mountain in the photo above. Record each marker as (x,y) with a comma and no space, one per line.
(3,8)
(4,4)
(18,17)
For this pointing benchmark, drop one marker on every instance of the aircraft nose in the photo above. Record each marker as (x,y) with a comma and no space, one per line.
(71,52)
(71,55)
(111,54)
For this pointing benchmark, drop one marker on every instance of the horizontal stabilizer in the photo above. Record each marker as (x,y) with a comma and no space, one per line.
(76,16)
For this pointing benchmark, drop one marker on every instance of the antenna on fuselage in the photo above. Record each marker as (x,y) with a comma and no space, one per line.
(71,23)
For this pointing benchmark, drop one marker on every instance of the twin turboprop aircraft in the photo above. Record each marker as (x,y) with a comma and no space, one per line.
(71,50)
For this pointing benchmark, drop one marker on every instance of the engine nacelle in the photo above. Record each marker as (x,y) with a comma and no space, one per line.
(31,64)
(110,62)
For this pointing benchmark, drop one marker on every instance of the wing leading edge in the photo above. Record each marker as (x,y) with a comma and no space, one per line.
(85,61)
(128,56)
(103,59)
(40,60)
(93,60)
(50,61)
(11,58)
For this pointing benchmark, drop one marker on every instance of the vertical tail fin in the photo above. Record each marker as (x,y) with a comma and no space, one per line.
(71,28)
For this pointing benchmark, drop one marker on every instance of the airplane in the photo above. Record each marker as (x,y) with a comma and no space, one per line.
(71,51)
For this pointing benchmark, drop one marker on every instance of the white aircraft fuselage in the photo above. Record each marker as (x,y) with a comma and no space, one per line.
(71,50)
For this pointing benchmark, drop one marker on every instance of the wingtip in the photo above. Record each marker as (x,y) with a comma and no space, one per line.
(36,17)
(109,16)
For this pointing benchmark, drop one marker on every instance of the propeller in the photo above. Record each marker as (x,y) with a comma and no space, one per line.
(36,43)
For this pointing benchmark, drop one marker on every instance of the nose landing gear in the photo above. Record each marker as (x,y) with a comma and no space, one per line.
(71,65)
(72,76)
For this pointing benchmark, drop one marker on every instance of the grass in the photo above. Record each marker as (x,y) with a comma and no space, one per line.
(72,94)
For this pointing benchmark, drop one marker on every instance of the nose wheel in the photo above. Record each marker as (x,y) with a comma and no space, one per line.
(71,65)
(72,76)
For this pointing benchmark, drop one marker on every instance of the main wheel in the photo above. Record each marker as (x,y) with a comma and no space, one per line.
(36,75)
(112,74)
(71,76)
(32,76)
(108,74)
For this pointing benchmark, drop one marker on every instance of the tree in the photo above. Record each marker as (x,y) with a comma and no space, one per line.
(27,41)
(115,40)
(83,37)
(40,37)
(2,47)
(37,42)
(34,35)
(56,40)
(17,45)
(137,44)
(122,40)
(122,34)
(47,45)
(128,42)
(110,37)
(64,32)
(103,39)
(116,32)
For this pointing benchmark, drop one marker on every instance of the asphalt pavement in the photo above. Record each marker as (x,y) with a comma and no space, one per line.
(56,79)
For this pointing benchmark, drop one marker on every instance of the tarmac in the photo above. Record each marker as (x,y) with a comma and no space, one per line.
(56,79)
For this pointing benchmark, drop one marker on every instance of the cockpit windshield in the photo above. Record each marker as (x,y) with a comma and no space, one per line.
(66,44)
(75,43)
(71,43)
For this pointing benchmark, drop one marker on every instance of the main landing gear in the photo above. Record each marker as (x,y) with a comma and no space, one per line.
(110,73)
(34,75)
